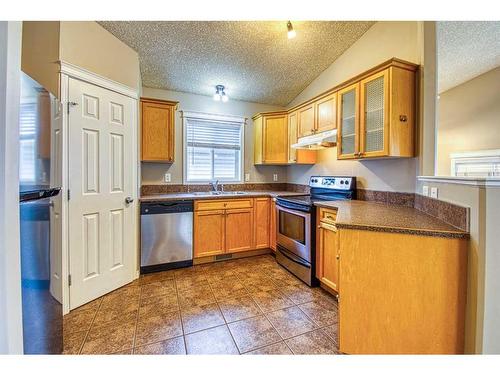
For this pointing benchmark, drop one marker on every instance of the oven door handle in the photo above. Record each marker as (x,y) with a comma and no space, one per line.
(293,258)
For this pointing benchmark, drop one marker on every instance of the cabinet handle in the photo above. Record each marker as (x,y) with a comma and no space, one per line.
(337,257)
(403,118)
(330,217)
(331,227)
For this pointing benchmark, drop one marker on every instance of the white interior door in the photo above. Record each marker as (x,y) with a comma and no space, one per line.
(103,251)
(56,232)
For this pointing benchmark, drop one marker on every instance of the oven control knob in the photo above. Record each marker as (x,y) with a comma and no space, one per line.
(341,182)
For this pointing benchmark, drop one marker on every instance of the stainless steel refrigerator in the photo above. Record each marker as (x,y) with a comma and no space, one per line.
(42,309)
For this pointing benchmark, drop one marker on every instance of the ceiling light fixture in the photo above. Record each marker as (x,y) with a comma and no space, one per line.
(291,32)
(220,94)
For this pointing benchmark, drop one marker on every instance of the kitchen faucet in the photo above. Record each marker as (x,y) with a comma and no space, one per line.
(215,186)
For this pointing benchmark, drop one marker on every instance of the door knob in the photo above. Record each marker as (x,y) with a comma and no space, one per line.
(129,200)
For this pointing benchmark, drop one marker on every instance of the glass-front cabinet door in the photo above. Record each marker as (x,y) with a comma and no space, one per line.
(374,116)
(348,123)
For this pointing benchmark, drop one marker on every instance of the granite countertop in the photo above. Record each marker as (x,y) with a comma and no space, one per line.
(202,195)
(389,218)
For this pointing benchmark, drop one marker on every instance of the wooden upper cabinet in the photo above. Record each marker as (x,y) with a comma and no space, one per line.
(374,113)
(297,156)
(326,113)
(348,122)
(374,119)
(292,137)
(305,120)
(158,130)
(384,115)
(271,138)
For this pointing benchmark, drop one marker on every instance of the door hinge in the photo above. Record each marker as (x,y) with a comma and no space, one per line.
(69,194)
(69,280)
(71,104)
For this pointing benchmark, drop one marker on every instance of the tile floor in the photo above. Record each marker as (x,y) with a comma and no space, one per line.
(245,306)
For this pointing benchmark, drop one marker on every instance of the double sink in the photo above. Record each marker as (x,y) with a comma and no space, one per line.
(216,193)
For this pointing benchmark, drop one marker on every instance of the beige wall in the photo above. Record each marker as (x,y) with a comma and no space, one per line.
(40,53)
(90,46)
(84,44)
(469,118)
(381,42)
(153,173)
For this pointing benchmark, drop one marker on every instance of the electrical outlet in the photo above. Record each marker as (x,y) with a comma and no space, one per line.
(425,190)
(168,177)
(247,177)
(434,192)
(275,177)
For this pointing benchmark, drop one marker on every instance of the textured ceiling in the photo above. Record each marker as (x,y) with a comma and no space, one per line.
(254,60)
(466,50)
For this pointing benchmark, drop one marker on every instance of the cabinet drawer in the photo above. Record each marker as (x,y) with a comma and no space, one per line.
(327,215)
(222,204)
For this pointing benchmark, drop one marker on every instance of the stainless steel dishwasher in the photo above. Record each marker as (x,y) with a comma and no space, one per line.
(166,235)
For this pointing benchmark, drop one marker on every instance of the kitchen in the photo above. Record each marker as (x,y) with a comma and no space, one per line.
(202,211)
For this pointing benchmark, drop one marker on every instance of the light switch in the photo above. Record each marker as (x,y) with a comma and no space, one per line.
(425,190)
(247,177)
(434,192)
(168,177)
(275,177)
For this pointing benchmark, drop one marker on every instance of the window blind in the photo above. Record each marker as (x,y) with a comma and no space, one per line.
(27,133)
(213,150)
(485,163)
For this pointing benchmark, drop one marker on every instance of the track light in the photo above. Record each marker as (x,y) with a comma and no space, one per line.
(291,32)
(220,94)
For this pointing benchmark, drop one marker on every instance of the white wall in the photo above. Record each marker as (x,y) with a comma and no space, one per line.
(10,271)
(383,41)
(152,173)
(491,325)
(482,326)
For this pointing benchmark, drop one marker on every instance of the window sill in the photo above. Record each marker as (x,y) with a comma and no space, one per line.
(473,181)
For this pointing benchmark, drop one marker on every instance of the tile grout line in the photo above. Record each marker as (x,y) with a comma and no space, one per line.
(137,318)
(91,324)
(180,314)
(223,317)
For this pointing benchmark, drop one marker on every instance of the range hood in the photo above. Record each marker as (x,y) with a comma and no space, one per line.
(317,141)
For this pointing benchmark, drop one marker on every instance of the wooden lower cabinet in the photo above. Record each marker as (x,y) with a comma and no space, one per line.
(262,210)
(231,225)
(239,230)
(401,293)
(209,233)
(327,256)
(272,226)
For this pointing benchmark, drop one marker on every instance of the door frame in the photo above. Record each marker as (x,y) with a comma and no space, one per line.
(67,71)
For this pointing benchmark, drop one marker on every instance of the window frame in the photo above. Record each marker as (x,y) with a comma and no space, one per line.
(212,117)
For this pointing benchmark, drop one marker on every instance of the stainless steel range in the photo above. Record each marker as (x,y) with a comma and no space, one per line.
(296,223)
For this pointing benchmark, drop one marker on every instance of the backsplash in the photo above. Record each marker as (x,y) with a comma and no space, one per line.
(453,214)
(179,188)
(388,197)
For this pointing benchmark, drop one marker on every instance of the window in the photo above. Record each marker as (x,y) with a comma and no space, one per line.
(213,148)
(27,133)
(484,163)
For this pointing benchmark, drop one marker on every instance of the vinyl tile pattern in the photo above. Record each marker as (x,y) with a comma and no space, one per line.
(244,306)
